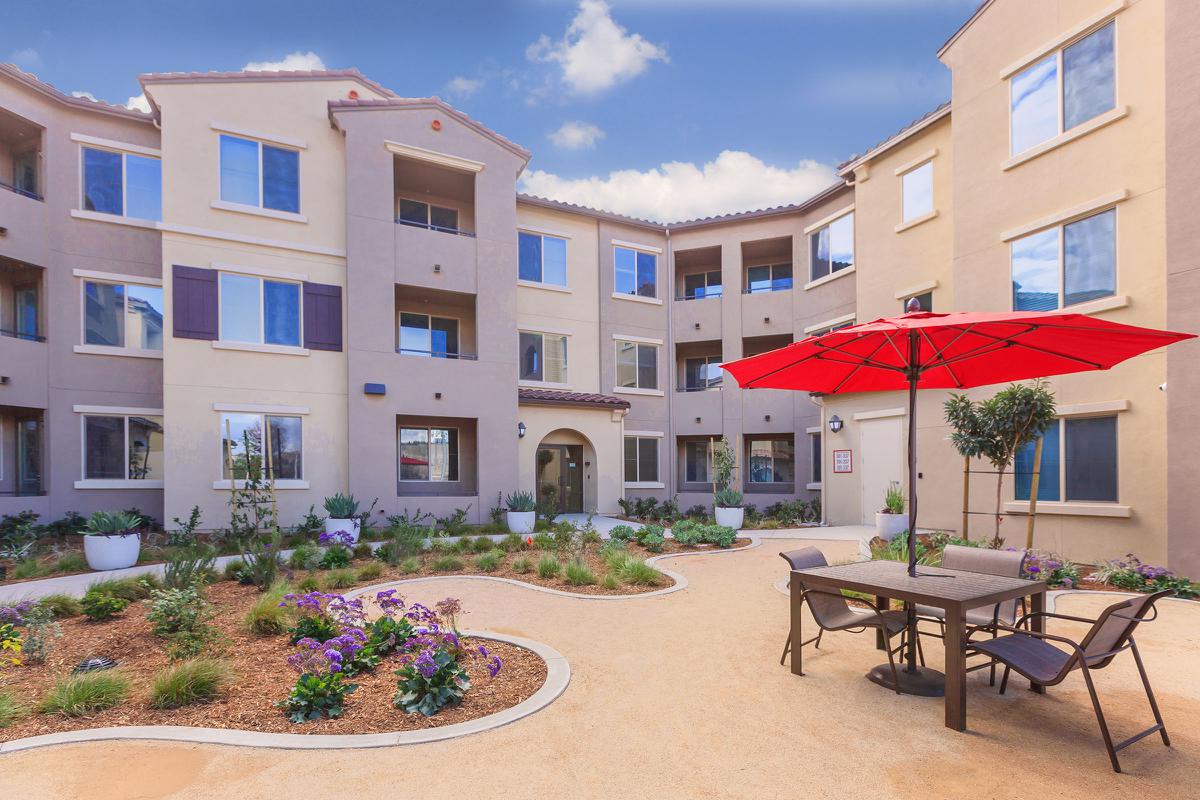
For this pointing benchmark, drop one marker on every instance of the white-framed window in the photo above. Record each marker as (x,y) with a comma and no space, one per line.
(284,434)
(699,285)
(1079,462)
(698,460)
(257,310)
(637,365)
(427,335)
(917,190)
(122,447)
(1063,90)
(768,278)
(542,258)
(124,315)
(428,454)
(258,174)
(1066,264)
(771,460)
(543,357)
(837,326)
(426,215)
(814,458)
(120,183)
(831,247)
(925,299)
(641,459)
(635,272)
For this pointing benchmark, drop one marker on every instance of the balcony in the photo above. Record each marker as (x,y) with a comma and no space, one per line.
(434,210)
(435,325)
(23,356)
(22,175)
(21,483)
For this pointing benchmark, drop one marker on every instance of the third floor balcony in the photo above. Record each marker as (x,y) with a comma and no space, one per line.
(435,225)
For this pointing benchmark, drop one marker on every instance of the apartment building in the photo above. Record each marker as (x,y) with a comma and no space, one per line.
(351,278)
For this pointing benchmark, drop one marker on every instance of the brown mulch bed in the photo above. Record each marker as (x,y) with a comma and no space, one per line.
(263,677)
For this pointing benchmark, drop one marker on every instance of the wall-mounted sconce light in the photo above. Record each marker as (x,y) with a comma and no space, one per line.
(520,430)
(766,319)
(767,417)
(835,423)
(437,395)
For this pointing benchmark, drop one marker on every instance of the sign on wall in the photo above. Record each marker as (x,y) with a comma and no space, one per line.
(843,461)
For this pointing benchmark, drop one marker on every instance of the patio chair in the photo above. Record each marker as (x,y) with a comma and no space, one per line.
(1008,563)
(833,613)
(1031,654)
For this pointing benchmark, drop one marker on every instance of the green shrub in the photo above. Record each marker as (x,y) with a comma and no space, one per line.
(720,535)
(488,562)
(686,532)
(266,617)
(512,543)
(522,565)
(309,583)
(363,550)
(548,567)
(234,568)
(727,498)
(610,581)
(262,559)
(369,572)
(313,626)
(404,540)
(410,565)
(130,589)
(11,709)
(335,557)
(305,556)
(70,561)
(591,536)
(62,606)
(622,533)
(29,568)
(181,617)
(544,541)
(639,573)
(654,542)
(339,579)
(446,564)
(187,565)
(99,606)
(188,682)
(579,574)
(80,695)
(341,506)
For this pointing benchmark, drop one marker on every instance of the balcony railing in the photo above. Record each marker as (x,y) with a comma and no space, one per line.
(37,491)
(22,192)
(699,387)
(713,291)
(408,351)
(29,337)
(431,227)
(779,285)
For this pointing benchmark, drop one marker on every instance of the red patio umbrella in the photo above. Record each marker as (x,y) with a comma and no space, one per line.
(923,350)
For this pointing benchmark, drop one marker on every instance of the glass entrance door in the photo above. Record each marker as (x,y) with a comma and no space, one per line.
(29,456)
(560,476)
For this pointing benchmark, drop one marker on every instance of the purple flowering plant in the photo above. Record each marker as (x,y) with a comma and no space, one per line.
(432,674)
(1054,569)
(1132,574)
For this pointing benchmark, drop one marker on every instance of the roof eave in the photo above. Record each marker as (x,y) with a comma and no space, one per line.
(963,28)
(847,169)
(83,104)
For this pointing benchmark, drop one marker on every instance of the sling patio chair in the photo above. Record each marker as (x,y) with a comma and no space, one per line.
(1007,563)
(1031,654)
(833,613)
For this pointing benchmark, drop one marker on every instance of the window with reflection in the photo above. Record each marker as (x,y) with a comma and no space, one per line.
(635,272)
(258,174)
(123,315)
(831,248)
(771,460)
(1079,462)
(768,278)
(637,365)
(702,284)
(124,184)
(917,187)
(1065,265)
(702,372)
(641,459)
(542,259)
(542,357)
(122,447)
(244,446)
(258,310)
(427,335)
(428,454)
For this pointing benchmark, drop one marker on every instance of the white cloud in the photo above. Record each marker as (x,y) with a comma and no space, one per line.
(462,86)
(296,61)
(675,191)
(138,103)
(85,96)
(596,53)
(27,58)
(575,135)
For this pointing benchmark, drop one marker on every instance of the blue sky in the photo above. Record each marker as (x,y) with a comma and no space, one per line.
(662,108)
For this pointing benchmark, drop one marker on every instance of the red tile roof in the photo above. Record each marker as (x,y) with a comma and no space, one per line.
(265,75)
(562,205)
(558,397)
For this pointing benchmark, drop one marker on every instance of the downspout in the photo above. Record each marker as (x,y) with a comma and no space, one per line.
(672,450)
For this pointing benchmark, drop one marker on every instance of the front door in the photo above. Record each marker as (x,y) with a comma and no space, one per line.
(880,461)
(29,456)
(560,476)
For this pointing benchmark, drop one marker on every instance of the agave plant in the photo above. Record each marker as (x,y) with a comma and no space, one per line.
(114,523)
(341,506)
(727,498)
(520,501)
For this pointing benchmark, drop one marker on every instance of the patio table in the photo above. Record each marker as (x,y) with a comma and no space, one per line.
(955,591)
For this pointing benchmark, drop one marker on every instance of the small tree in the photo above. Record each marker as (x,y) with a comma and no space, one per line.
(997,428)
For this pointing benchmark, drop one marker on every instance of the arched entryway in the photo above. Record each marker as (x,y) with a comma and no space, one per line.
(565,471)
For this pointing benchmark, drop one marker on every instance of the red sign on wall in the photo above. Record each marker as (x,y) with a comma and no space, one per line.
(843,461)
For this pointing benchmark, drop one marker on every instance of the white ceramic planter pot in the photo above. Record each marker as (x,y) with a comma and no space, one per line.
(730,517)
(889,526)
(349,526)
(520,521)
(112,552)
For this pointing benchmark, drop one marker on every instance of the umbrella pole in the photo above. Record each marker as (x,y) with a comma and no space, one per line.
(913,377)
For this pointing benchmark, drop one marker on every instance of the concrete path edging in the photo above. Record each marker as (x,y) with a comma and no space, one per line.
(558,676)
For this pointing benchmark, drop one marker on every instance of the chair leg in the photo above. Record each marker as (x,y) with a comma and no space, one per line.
(992,679)
(920,649)
(786,647)
(1004,680)
(820,633)
(892,663)
(1162,728)
(1108,743)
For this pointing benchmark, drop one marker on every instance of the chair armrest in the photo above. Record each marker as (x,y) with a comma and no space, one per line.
(1055,616)
(1049,637)
(840,596)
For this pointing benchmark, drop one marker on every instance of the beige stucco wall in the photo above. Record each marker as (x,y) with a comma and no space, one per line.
(600,431)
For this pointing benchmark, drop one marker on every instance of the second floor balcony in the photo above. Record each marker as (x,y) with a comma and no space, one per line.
(435,324)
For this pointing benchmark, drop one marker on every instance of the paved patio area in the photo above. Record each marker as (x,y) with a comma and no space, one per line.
(682,696)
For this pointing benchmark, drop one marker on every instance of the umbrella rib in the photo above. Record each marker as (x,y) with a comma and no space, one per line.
(953,377)
(863,363)
(1008,341)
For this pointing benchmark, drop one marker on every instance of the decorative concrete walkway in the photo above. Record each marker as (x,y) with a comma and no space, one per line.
(682,696)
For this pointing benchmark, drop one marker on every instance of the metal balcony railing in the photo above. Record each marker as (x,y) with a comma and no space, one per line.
(408,351)
(29,337)
(431,227)
(22,192)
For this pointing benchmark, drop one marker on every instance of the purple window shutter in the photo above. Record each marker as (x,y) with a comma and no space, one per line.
(322,316)
(194,303)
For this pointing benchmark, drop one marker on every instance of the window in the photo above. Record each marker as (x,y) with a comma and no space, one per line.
(259,311)
(698,461)
(286,451)
(636,272)
(701,373)
(925,301)
(25,311)
(424,215)
(814,456)
(641,459)
(832,247)
(1042,106)
(25,173)
(123,448)
(1079,462)
(123,315)
(424,335)
(124,184)
(772,461)
(768,278)
(918,191)
(702,284)
(1065,265)
(428,454)
(261,175)
(543,259)
(543,357)
(830,328)
(637,365)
